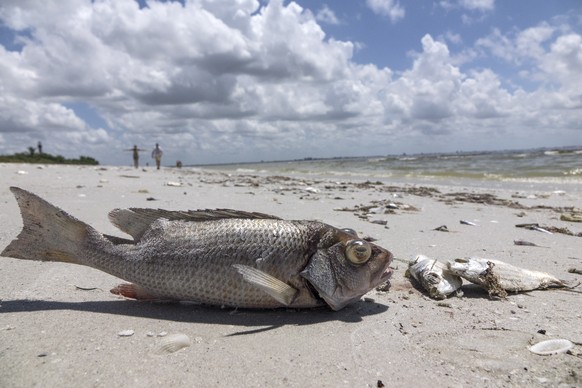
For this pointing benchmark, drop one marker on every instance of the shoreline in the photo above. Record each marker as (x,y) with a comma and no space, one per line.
(59,324)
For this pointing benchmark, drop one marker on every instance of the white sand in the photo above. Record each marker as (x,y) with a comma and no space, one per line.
(55,334)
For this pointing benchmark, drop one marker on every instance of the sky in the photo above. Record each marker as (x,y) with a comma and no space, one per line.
(219,81)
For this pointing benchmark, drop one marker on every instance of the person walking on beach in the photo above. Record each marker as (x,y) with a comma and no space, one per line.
(135,155)
(157,155)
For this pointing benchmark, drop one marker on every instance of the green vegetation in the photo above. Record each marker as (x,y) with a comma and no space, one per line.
(43,158)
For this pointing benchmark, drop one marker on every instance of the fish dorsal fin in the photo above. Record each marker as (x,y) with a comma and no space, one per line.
(279,290)
(217,214)
(133,223)
(136,221)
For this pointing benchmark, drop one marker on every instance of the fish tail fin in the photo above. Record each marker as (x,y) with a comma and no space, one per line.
(48,233)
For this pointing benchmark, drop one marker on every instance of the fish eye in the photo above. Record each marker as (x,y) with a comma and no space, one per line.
(358,251)
(350,231)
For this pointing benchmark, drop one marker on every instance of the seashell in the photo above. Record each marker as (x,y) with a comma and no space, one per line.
(550,347)
(172,343)
(126,333)
(174,184)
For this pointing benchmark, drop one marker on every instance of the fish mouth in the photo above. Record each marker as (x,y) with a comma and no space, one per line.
(387,273)
(384,277)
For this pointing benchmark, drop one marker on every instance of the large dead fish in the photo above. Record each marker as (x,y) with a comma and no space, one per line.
(498,277)
(216,257)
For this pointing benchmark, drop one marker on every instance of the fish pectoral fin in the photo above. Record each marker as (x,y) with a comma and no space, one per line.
(280,291)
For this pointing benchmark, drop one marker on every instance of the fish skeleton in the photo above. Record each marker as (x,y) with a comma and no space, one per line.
(498,277)
(217,257)
(434,277)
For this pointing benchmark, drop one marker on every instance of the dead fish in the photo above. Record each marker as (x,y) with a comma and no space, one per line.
(498,277)
(571,217)
(527,243)
(434,277)
(217,257)
(535,227)
(465,222)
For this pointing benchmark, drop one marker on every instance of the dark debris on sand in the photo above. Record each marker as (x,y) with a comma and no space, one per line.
(313,189)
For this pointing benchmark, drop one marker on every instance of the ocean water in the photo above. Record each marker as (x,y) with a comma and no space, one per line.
(550,168)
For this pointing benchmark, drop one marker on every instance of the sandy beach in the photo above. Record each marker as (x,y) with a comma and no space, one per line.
(60,325)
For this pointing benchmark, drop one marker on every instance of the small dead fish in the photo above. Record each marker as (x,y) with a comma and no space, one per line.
(434,277)
(218,257)
(527,243)
(535,227)
(465,222)
(498,277)
(538,229)
(571,217)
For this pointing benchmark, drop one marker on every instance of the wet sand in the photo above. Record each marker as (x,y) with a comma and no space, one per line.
(60,325)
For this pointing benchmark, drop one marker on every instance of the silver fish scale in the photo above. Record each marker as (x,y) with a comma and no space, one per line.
(194,260)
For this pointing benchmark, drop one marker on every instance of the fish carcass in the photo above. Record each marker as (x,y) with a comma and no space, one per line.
(434,277)
(498,277)
(217,257)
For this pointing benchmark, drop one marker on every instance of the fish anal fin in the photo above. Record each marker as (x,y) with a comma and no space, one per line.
(133,291)
(279,290)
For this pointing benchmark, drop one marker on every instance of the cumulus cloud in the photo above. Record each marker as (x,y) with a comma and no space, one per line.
(326,15)
(388,8)
(471,5)
(518,46)
(242,80)
(481,5)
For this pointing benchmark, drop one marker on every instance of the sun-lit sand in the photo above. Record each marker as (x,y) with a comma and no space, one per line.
(60,325)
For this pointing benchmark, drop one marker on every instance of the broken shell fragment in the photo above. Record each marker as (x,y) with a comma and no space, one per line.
(550,347)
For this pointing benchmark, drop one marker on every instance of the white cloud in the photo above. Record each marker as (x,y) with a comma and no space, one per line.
(518,46)
(223,80)
(471,5)
(480,5)
(563,65)
(453,38)
(389,8)
(544,56)
(326,15)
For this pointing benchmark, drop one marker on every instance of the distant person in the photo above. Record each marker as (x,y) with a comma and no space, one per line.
(135,155)
(39,147)
(157,155)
